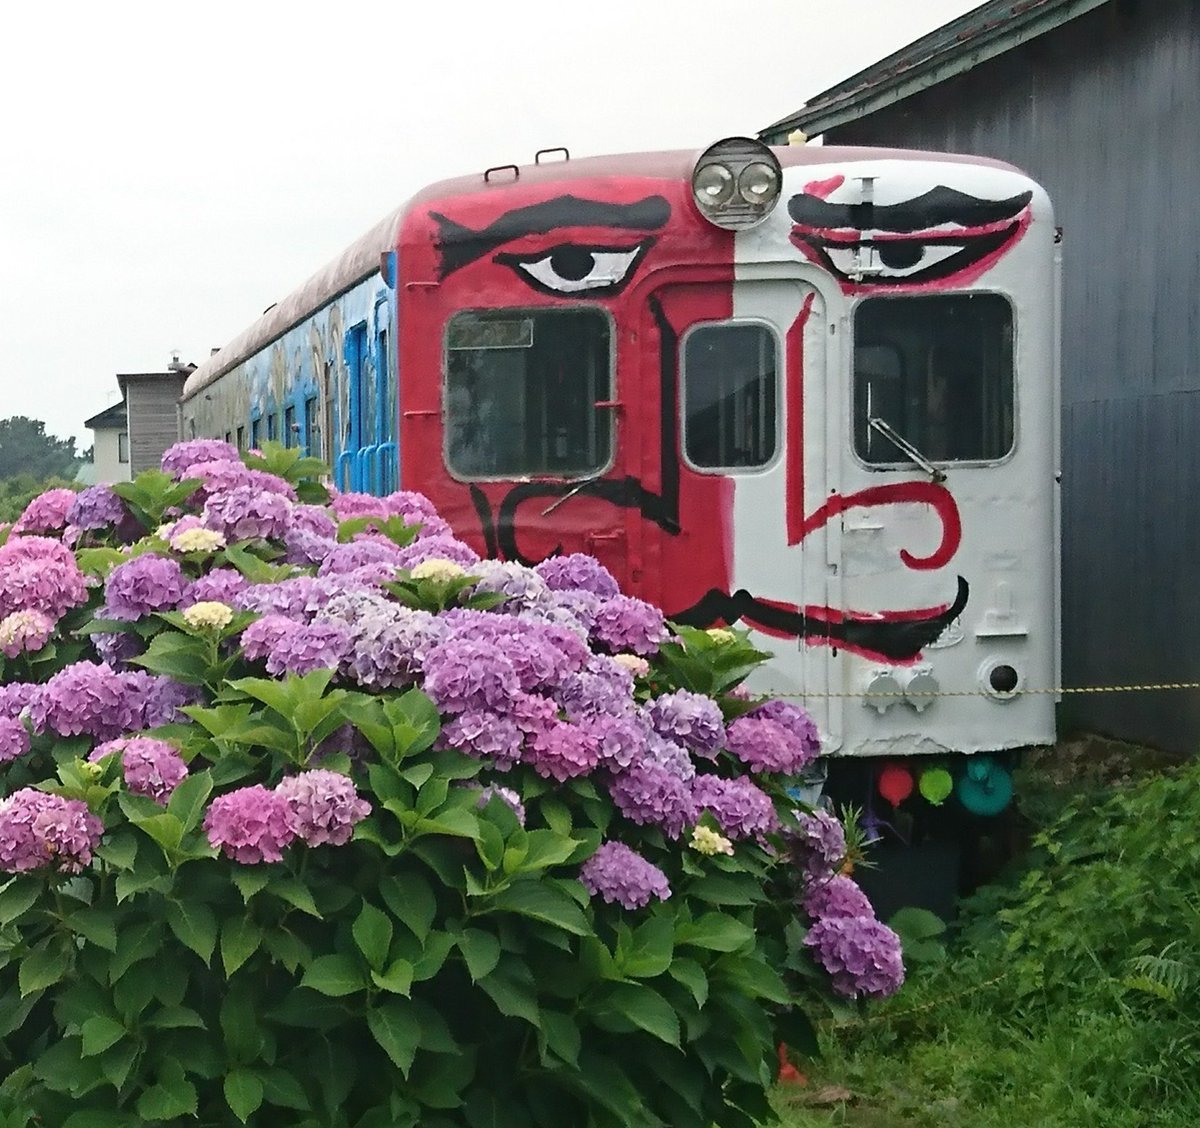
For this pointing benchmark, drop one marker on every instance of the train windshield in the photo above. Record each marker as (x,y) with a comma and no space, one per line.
(521,393)
(938,371)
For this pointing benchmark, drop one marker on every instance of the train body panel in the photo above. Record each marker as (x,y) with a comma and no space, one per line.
(837,427)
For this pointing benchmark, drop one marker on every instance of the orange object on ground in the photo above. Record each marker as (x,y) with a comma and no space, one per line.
(788,1073)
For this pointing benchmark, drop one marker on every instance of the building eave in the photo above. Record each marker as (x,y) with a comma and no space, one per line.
(979,35)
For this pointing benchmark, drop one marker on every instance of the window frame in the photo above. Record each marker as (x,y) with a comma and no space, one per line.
(613,395)
(123,447)
(780,435)
(956,463)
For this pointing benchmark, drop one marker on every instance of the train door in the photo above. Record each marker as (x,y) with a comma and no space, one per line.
(750,361)
(368,460)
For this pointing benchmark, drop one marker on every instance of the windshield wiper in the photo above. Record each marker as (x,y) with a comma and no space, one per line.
(572,492)
(905,447)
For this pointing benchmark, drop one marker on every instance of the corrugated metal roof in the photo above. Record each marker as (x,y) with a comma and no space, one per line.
(980,34)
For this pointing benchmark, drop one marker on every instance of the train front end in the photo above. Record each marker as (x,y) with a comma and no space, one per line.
(809,391)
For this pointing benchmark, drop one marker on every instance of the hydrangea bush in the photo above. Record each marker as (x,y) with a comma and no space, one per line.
(312,818)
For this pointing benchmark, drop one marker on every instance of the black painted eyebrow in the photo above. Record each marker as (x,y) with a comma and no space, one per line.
(938,205)
(459,245)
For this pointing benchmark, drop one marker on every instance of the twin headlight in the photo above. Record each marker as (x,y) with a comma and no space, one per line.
(736,183)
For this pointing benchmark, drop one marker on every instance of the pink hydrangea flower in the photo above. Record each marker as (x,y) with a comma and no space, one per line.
(322,806)
(46,513)
(38,829)
(151,767)
(250,825)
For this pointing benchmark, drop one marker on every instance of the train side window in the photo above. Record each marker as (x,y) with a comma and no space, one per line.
(241,438)
(312,427)
(729,380)
(255,428)
(272,427)
(523,393)
(290,429)
(938,370)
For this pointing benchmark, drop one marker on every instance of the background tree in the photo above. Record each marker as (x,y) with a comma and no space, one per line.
(26,449)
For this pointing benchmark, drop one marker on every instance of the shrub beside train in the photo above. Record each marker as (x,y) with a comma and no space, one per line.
(811,391)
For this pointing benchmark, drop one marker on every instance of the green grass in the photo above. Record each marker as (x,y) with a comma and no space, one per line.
(1071,996)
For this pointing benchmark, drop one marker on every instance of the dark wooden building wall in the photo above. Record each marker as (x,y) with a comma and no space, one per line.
(153,417)
(1105,112)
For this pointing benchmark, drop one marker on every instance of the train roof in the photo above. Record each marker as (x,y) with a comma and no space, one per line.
(361,259)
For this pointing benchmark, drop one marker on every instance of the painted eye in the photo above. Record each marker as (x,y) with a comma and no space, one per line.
(892,258)
(576,268)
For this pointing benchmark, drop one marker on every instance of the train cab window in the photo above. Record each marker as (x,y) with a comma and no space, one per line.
(937,371)
(122,446)
(730,372)
(525,392)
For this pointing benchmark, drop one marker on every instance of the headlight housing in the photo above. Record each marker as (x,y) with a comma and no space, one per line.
(736,183)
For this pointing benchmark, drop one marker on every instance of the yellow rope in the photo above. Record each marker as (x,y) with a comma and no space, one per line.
(984,693)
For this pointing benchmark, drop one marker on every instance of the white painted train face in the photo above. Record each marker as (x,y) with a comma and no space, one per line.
(913,303)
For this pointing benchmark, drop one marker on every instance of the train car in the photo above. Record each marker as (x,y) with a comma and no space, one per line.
(812,391)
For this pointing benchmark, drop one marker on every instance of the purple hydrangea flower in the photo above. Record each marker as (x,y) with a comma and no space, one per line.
(14,739)
(602,687)
(144,584)
(619,876)
(648,793)
(152,699)
(542,655)
(298,648)
(563,751)
(221,585)
(151,767)
(117,648)
(24,632)
(819,845)
(438,548)
(390,642)
(313,519)
(689,718)
(83,698)
(97,507)
(461,674)
(178,458)
(414,508)
(576,572)
(343,558)
(766,745)
(619,740)
(791,717)
(625,623)
(16,696)
(741,809)
(38,829)
(484,735)
(861,955)
(323,807)
(348,506)
(522,587)
(224,474)
(837,896)
(284,597)
(245,513)
(250,825)
(46,513)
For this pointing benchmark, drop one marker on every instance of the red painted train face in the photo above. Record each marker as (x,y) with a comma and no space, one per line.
(637,250)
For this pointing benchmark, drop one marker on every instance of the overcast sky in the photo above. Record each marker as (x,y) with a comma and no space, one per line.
(170,170)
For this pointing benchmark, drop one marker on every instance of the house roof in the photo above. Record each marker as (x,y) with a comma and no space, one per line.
(955,47)
(111,418)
